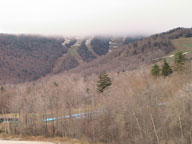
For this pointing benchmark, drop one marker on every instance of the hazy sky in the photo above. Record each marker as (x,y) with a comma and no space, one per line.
(88,17)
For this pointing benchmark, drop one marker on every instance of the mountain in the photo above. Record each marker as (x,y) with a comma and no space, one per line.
(26,58)
(136,107)
(140,52)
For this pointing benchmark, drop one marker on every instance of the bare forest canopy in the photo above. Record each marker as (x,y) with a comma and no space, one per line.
(126,104)
(136,107)
(26,58)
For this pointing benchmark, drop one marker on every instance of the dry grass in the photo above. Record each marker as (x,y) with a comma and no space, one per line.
(182,44)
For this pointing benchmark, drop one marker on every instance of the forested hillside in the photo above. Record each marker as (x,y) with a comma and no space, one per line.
(138,53)
(25,58)
(129,103)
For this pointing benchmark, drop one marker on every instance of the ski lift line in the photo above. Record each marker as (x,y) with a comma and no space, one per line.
(185,53)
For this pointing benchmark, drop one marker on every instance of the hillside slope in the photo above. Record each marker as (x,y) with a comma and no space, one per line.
(137,54)
(24,58)
(183,44)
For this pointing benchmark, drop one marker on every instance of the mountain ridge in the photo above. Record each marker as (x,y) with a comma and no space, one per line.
(26,58)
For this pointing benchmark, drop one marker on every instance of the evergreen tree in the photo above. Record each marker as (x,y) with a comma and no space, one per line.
(179,60)
(155,71)
(103,82)
(166,69)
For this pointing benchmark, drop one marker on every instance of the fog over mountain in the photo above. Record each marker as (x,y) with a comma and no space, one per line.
(99,17)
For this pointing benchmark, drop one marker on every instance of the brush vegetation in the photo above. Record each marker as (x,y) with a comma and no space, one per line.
(136,107)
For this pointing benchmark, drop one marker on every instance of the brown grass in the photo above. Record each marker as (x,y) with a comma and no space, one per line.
(182,44)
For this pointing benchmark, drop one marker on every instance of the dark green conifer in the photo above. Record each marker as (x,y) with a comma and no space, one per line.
(166,69)
(155,71)
(179,60)
(103,82)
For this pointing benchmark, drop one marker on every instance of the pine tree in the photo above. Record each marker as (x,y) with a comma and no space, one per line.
(179,60)
(155,71)
(103,82)
(166,69)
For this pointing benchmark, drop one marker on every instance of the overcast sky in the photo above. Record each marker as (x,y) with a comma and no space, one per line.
(89,17)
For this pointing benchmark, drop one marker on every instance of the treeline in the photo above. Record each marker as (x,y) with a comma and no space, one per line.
(179,32)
